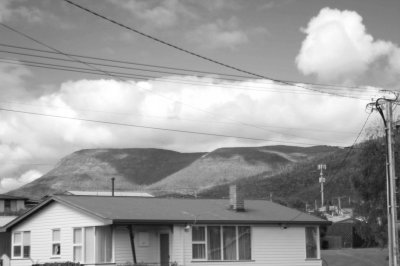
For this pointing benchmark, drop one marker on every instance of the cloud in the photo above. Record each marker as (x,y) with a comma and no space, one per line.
(338,48)
(10,9)
(221,34)
(8,183)
(162,14)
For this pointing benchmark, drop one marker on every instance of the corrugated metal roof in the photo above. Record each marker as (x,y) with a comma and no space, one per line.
(162,210)
(3,196)
(108,193)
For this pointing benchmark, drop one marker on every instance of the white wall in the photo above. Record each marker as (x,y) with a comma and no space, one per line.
(41,224)
(271,245)
(147,253)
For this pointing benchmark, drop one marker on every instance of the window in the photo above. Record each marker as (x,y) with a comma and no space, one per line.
(311,243)
(77,245)
(22,244)
(92,244)
(7,205)
(221,243)
(56,242)
(199,242)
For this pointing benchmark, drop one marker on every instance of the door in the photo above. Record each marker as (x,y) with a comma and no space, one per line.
(164,249)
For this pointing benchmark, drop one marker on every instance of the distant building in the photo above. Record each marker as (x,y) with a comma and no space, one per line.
(11,204)
(108,193)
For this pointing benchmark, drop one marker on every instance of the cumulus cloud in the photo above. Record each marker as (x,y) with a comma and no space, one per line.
(159,14)
(9,183)
(10,9)
(338,48)
(221,34)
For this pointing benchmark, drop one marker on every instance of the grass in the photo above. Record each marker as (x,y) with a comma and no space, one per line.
(355,257)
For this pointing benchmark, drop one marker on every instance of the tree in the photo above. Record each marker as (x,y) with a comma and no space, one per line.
(371,188)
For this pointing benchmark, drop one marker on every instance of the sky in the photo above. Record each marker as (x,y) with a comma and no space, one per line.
(154,101)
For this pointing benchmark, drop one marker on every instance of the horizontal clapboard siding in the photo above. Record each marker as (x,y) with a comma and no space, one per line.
(271,245)
(41,224)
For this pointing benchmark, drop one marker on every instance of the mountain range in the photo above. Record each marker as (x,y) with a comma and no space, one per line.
(259,170)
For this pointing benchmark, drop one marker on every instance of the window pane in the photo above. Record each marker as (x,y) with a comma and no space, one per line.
(77,254)
(199,251)
(198,233)
(56,249)
(89,245)
(26,240)
(244,243)
(214,242)
(17,238)
(27,251)
(17,251)
(77,236)
(229,237)
(311,242)
(103,244)
(56,235)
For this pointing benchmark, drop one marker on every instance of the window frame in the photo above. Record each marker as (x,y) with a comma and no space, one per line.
(222,255)
(53,242)
(199,242)
(82,244)
(21,245)
(77,245)
(317,243)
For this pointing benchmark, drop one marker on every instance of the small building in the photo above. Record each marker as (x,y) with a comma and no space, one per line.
(103,230)
(11,204)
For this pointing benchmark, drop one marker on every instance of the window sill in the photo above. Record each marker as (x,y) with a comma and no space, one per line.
(312,259)
(56,257)
(21,258)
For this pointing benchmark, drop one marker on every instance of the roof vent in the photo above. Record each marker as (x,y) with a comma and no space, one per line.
(236,199)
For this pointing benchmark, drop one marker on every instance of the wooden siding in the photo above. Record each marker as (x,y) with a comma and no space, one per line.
(149,253)
(271,245)
(41,224)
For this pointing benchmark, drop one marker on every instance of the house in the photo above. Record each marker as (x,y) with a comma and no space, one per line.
(103,230)
(11,204)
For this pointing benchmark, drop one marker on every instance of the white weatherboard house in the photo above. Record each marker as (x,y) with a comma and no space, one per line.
(107,230)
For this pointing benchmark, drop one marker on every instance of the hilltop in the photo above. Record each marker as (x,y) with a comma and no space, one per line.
(164,171)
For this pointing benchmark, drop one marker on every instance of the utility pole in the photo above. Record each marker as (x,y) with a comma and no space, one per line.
(322,167)
(391,180)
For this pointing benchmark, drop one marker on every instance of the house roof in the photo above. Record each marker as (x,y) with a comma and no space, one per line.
(136,210)
(108,193)
(3,197)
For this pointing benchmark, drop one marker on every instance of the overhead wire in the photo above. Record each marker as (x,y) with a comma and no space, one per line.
(241,86)
(325,86)
(194,53)
(163,79)
(113,76)
(154,128)
(183,119)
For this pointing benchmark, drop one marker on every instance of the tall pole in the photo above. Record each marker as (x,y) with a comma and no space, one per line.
(392,182)
(322,167)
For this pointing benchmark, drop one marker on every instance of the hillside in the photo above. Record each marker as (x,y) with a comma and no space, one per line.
(299,183)
(93,169)
(163,171)
(227,165)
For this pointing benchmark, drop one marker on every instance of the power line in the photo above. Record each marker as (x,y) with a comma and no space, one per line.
(196,54)
(168,80)
(325,86)
(113,76)
(154,128)
(185,119)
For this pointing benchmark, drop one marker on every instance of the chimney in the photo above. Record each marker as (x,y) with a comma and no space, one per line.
(236,199)
(112,186)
